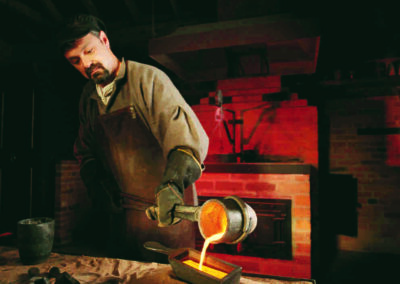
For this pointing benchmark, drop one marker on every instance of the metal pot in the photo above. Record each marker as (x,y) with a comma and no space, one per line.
(35,239)
(230,215)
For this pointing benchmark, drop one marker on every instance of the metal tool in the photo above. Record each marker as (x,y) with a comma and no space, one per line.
(177,258)
(230,215)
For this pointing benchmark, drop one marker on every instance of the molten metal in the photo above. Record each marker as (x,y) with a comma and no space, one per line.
(211,271)
(213,219)
(205,246)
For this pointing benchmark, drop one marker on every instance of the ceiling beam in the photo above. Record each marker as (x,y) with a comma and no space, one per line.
(274,45)
(234,33)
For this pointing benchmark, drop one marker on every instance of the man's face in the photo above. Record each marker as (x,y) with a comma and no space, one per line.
(92,57)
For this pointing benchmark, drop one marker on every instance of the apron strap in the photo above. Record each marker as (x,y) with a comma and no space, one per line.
(131,201)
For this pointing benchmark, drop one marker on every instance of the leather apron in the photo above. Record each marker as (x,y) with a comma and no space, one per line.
(135,158)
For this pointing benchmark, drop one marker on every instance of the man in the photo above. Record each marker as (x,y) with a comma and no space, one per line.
(139,143)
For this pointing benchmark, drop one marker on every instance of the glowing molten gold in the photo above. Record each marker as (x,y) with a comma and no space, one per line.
(214,272)
(205,246)
(213,219)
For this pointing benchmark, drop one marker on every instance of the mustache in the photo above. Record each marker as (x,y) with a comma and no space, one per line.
(89,70)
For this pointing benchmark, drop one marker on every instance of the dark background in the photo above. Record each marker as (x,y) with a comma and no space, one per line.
(40,90)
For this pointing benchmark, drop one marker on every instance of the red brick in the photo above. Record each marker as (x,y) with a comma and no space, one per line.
(302,249)
(245,177)
(249,83)
(302,201)
(304,178)
(204,101)
(274,177)
(259,186)
(293,188)
(215,176)
(301,237)
(246,99)
(226,186)
(302,271)
(302,225)
(302,212)
(204,185)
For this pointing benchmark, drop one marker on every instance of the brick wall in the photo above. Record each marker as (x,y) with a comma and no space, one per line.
(365,143)
(272,124)
(295,187)
(71,202)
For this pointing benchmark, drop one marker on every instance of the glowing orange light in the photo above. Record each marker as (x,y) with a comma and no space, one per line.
(214,222)
(206,243)
(214,272)
(213,219)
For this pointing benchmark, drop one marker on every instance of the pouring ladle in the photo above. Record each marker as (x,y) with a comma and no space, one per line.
(230,215)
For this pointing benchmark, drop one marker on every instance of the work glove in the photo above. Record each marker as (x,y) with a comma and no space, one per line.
(167,197)
(182,169)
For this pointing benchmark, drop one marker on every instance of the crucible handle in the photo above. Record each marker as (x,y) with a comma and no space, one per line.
(185,212)
(157,247)
(190,213)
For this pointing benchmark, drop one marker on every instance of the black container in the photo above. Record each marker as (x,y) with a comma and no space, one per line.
(177,257)
(35,239)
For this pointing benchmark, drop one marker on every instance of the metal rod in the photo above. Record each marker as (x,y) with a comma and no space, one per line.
(190,213)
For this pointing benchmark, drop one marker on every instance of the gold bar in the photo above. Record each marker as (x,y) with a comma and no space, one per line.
(214,272)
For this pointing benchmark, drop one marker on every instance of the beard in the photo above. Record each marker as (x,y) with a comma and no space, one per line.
(101,76)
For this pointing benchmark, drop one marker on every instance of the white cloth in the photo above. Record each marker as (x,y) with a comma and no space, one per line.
(105,92)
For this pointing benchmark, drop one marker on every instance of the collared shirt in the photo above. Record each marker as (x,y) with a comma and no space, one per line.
(105,92)
(156,101)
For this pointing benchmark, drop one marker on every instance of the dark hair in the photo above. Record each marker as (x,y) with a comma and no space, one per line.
(77,27)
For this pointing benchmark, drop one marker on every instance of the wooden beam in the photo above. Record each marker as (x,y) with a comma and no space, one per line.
(292,46)
(233,33)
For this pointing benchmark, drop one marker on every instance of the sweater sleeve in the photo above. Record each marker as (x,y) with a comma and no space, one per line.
(171,119)
(83,146)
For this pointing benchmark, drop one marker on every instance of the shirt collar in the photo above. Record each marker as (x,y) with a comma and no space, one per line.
(120,75)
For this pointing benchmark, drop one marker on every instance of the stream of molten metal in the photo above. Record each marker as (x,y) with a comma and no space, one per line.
(214,222)
(214,272)
(207,242)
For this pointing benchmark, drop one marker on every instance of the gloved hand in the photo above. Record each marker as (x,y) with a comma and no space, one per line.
(182,169)
(167,197)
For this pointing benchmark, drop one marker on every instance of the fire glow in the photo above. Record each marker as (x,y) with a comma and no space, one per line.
(206,244)
(214,223)
(214,272)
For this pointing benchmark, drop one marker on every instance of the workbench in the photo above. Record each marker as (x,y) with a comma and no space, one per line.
(89,269)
